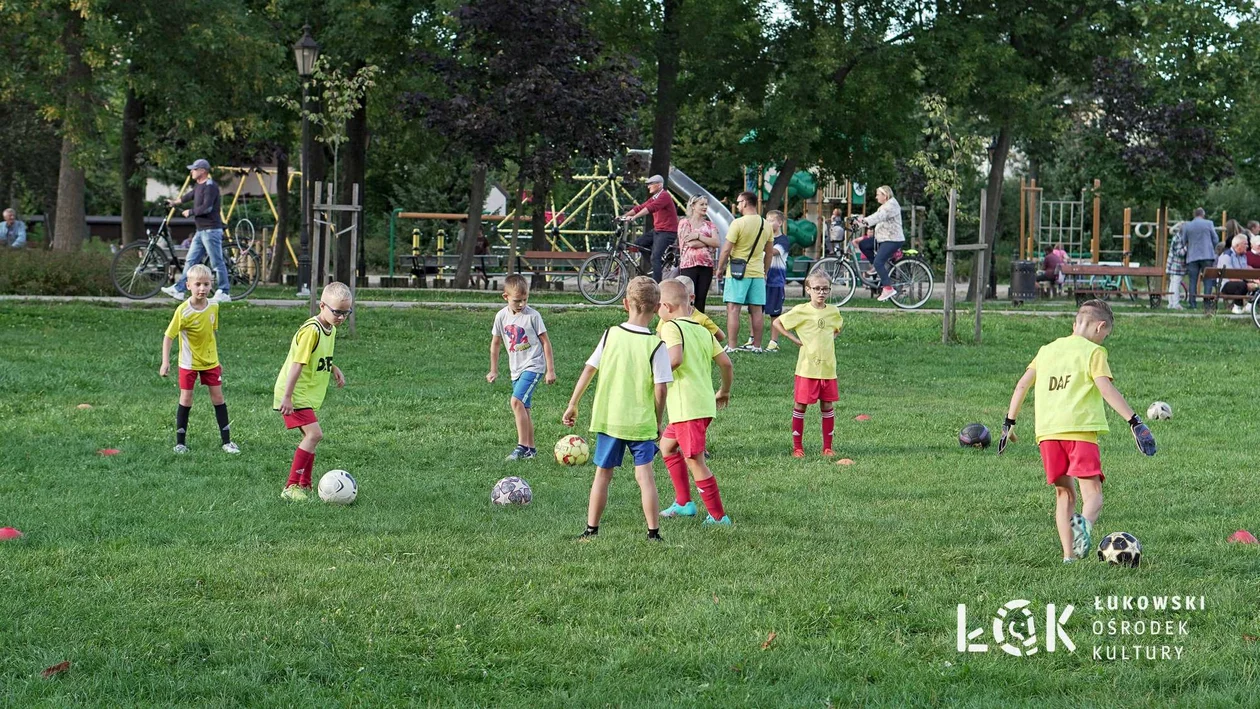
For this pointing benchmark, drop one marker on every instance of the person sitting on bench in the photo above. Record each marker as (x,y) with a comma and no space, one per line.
(1235,257)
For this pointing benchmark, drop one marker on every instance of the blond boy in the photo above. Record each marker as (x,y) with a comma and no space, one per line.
(530,358)
(629,405)
(695,313)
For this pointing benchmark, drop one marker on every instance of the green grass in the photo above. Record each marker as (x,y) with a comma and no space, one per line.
(170,581)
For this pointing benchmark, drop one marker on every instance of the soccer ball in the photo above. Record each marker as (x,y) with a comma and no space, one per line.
(572,450)
(1159,411)
(1121,549)
(974,435)
(511,491)
(338,487)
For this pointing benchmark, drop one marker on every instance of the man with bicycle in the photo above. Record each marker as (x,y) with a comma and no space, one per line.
(208,241)
(664,221)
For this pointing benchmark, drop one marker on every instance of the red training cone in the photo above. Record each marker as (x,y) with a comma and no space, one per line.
(7,533)
(862,417)
(1242,536)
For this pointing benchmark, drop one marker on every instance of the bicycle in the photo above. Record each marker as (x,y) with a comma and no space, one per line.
(909,272)
(141,268)
(604,277)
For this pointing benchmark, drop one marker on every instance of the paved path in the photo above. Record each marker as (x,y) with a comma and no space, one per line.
(963,315)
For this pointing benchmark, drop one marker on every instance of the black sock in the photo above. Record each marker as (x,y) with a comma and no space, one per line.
(654,533)
(225,428)
(181,423)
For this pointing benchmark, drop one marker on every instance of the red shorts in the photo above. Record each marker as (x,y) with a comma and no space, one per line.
(690,436)
(299,417)
(212,377)
(1078,459)
(809,391)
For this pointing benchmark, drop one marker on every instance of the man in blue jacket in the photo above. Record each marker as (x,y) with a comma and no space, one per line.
(208,241)
(1201,241)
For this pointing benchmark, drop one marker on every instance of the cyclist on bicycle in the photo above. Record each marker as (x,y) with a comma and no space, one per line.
(664,221)
(208,241)
(889,238)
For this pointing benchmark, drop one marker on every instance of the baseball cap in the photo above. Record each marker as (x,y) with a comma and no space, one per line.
(200,164)
(656,179)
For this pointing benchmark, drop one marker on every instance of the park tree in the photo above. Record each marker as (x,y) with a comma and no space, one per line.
(529,84)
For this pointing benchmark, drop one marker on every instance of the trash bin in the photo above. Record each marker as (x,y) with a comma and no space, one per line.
(1023,281)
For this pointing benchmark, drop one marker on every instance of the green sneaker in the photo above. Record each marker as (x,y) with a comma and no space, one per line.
(293,493)
(1082,533)
(677,510)
(772,346)
(710,522)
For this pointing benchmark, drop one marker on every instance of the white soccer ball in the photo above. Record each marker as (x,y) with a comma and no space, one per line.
(572,450)
(1159,411)
(338,487)
(511,491)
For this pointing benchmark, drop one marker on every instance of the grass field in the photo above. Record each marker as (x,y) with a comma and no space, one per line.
(186,581)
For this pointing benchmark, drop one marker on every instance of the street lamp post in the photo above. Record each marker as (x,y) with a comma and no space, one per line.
(305,51)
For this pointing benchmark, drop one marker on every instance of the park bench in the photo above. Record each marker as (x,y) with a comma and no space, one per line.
(1219,275)
(552,264)
(1089,280)
(798,269)
(424,265)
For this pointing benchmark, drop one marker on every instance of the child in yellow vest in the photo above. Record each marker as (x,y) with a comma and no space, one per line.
(303,381)
(194,323)
(695,313)
(692,404)
(1072,380)
(629,404)
(816,325)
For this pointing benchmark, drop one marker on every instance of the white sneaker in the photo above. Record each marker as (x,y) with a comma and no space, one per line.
(175,293)
(1239,310)
(221,297)
(888,294)
(730,350)
(231,447)
(181,449)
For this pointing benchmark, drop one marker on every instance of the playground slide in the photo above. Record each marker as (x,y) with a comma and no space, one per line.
(688,188)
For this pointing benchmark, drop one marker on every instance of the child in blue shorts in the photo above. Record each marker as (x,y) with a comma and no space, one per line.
(521,329)
(776,275)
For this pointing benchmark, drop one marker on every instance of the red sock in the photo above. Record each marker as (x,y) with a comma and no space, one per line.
(676,464)
(711,497)
(798,429)
(828,426)
(300,471)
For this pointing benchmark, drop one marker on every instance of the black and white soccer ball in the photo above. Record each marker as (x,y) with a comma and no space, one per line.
(511,491)
(338,487)
(1159,411)
(974,435)
(1120,549)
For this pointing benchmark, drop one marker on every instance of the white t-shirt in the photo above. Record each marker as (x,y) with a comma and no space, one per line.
(662,372)
(520,333)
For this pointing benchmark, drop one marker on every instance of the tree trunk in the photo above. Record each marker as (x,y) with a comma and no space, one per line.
(993,207)
(779,191)
(538,239)
(132,173)
(354,163)
(276,267)
(476,198)
(72,228)
(668,51)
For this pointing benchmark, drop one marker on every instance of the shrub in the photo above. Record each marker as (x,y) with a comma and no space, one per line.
(40,272)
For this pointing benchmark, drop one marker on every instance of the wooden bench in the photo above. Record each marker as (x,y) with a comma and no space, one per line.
(1219,276)
(798,269)
(1116,281)
(554,264)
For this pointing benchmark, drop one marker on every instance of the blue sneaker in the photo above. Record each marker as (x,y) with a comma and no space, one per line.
(710,522)
(518,453)
(677,510)
(1082,533)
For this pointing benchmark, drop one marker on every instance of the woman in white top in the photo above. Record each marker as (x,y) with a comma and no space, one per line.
(889,239)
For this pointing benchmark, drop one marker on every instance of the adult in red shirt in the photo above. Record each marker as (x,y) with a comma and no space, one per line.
(664,221)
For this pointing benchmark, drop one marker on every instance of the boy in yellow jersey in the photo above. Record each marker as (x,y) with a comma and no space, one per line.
(692,404)
(303,381)
(194,323)
(816,325)
(1073,380)
(695,313)
(629,405)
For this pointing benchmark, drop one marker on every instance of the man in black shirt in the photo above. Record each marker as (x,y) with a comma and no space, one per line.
(208,241)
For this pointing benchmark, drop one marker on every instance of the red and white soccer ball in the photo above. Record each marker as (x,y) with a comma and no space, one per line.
(572,450)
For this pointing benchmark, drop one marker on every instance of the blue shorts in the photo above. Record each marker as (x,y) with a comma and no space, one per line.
(523,387)
(610,451)
(775,295)
(750,291)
